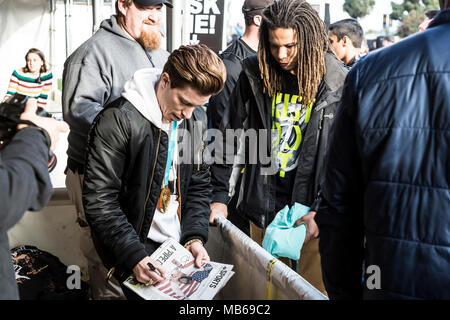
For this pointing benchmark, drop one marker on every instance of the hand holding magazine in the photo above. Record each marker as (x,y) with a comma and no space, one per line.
(183,280)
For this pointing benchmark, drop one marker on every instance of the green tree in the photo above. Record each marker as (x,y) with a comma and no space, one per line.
(358,8)
(411,13)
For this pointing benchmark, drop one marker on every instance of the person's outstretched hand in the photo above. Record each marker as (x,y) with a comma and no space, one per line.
(52,126)
(199,252)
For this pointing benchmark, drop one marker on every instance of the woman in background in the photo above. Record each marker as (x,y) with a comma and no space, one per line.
(33,80)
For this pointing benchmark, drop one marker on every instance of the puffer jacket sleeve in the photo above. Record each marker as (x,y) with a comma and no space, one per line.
(195,223)
(233,118)
(105,164)
(220,102)
(218,106)
(195,213)
(340,214)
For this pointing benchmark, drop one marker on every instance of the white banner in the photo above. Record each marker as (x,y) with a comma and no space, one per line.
(228,244)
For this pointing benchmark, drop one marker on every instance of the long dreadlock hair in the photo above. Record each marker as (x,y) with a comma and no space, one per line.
(312,44)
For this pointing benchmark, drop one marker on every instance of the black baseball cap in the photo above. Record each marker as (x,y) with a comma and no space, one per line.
(146,3)
(254,7)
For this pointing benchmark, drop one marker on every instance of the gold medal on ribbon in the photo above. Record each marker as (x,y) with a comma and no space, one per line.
(164,199)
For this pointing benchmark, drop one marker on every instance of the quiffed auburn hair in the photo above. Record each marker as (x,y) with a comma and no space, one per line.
(312,45)
(196,66)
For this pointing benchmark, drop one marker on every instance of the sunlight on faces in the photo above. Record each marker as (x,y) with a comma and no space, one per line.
(283,47)
(34,63)
(177,103)
(143,24)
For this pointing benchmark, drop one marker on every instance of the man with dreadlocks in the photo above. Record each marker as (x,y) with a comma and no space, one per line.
(232,57)
(288,93)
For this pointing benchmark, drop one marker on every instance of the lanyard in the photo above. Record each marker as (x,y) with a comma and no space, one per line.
(172,139)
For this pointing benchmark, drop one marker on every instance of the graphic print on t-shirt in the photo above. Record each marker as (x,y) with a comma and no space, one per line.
(289,119)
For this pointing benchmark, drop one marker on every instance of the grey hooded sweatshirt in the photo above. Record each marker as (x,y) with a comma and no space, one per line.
(94,75)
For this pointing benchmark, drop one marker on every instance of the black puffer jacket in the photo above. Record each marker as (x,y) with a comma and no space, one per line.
(251,109)
(125,165)
(388,174)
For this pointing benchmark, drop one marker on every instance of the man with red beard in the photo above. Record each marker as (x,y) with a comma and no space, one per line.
(94,75)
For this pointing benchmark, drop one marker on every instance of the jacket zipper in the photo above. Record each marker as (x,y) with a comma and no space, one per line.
(179,178)
(200,154)
(320,127)
(321,119)
(150,183)
(179,190)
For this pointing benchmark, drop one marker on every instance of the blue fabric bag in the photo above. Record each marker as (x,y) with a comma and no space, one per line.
(282,239)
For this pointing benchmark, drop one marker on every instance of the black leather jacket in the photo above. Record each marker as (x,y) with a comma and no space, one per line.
(125,164)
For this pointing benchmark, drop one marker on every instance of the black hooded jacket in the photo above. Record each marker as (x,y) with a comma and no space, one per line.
(251,109)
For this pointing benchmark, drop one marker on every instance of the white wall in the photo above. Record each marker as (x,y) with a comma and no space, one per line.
(27,23)
(24,24)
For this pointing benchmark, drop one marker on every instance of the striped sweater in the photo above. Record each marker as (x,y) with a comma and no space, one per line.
(25,83)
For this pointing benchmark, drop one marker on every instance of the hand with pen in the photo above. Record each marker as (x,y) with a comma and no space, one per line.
(149,271)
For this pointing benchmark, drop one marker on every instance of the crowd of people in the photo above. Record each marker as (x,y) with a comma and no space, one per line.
(360,139)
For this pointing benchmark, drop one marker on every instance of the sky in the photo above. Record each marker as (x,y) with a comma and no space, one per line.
(374,21)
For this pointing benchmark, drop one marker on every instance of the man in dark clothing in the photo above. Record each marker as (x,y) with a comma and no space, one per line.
(386,195)
(25,183)
(94,76)
(232,57)
(138,192)
(346,37)
(287,95)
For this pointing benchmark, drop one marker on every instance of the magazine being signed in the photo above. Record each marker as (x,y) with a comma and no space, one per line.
(183,280)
